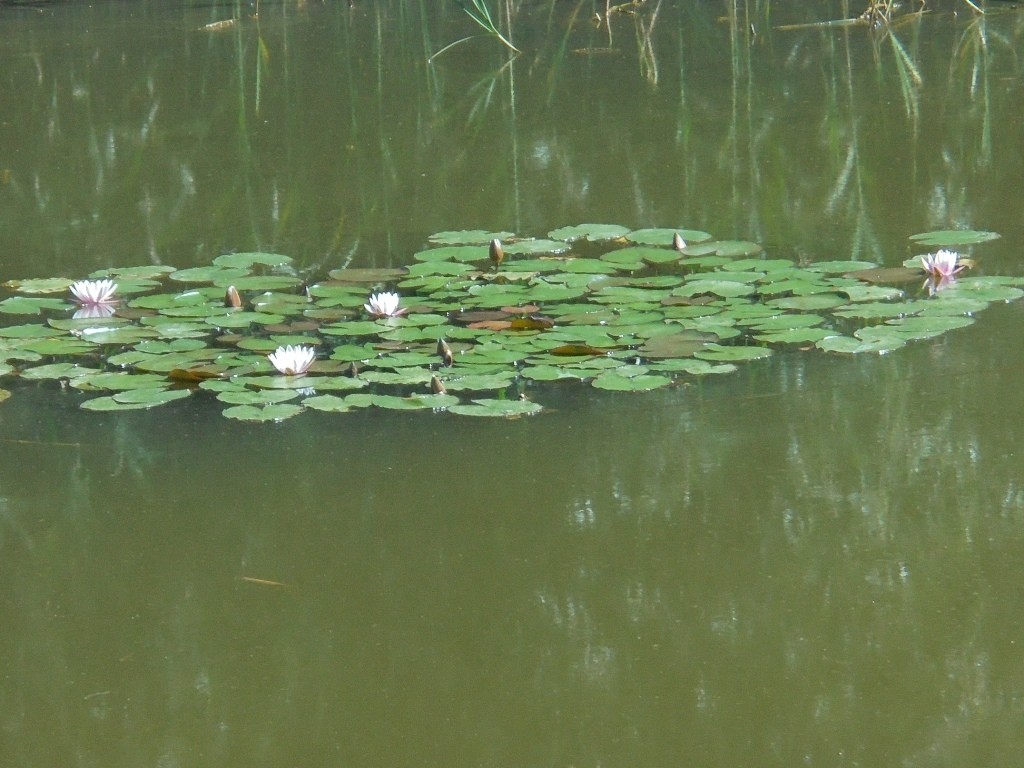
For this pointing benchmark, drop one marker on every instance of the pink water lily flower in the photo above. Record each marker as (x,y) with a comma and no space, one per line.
(292,360)
(384,305)
(942,265)
(94,292)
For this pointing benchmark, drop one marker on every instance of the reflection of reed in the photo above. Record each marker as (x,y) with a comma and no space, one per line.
(393,136)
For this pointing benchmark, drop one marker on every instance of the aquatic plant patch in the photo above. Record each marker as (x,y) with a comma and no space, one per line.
(479,323)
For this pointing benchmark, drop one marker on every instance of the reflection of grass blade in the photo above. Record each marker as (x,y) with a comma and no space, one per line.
(910,78)
(478,11)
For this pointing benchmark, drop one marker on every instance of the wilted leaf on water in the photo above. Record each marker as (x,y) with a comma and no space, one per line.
(675,345)
(197,374)
(886,275)
(532,323)
(576,350)
(871,292)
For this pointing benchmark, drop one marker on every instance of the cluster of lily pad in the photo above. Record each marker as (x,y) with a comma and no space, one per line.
(479,323)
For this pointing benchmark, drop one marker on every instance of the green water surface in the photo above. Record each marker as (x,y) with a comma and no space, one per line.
(816,560)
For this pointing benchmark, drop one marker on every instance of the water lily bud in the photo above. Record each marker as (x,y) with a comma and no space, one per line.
(677,242)
(231,298)
(446,353)
(497,253)
(437,387)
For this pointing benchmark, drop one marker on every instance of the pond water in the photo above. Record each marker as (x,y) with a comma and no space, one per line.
(814,560)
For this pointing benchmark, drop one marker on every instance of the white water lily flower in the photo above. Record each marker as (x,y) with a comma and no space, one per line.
(93,292)
(384,305)
(942,265)
(292,361)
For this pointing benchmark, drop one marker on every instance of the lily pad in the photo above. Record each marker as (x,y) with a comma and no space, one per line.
(151,396)
(725,248)
(592,232)
(327,403)
(248,260)
(468,237)
(207,274)
(108,403)
(469,253)
(57,371)
(731,354)
(497,408)
(257,396)
(257,413)
(852,346)
(40,285)
(628,311)
(258,282)
(536,246)
(614,380)
(23,305)
(953,237)
(664,236)
(366,275)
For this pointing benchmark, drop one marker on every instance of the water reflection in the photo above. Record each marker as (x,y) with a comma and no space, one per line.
(724,591)
(313,132)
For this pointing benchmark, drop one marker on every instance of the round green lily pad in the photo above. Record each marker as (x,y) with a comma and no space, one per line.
(248,260)
(663,236)
(497,408)
(614,380)
(264,413)
(468,237)
(592,232)
(943,238)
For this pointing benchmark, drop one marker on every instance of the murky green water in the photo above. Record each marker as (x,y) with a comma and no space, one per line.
(813,561)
